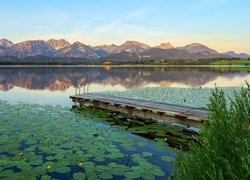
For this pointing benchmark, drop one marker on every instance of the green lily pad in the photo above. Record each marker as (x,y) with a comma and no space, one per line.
(167,158)
(62,170)
(147,154)
(158,172)
(132,175)
(79,176)
(99,159)
(23,165)
(137,169)
(49,158)
(45,177)
(145,165)
(105,176)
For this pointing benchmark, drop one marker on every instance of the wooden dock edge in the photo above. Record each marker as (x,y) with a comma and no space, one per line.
(170,117)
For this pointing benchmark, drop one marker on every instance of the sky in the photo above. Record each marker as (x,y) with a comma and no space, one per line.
(220,24)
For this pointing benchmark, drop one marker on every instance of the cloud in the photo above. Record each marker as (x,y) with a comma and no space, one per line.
(141,12)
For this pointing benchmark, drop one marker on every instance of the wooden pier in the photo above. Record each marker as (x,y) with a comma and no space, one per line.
(137,108)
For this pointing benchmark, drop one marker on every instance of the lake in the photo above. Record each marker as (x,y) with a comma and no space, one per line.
(43,137)
(54,85)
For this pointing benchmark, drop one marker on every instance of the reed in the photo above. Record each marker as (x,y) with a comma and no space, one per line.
(223,151)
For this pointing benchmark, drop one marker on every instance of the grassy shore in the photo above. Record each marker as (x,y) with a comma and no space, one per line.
(243,62)
(223,151)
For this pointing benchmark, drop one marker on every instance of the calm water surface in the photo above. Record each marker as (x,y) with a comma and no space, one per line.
(109,146)
(54,85)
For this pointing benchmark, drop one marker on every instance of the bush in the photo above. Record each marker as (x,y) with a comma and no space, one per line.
(223,151)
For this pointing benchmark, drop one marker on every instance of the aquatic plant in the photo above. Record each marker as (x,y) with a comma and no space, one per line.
(194,97)
(53,142)
(223,151)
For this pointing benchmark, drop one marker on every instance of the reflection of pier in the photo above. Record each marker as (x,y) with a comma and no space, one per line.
(184,115)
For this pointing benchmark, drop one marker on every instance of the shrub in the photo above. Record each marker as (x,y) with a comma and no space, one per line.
(223,149)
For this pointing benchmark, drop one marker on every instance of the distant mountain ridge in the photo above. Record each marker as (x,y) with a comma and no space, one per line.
(58,44)
(77,50)
(196,47)
(30,48)
(132,47)
(165,46)
(235,55)
(6,43)
(128,51)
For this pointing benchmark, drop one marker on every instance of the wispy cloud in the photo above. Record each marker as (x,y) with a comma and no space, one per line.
(123,21)
(141,12)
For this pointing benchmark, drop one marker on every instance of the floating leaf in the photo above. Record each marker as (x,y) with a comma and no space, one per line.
(145,165)
(61,169)
(45,177)
(147,154)
(137,169)
(167,158)
(157,172)
(79,176)
(132,175)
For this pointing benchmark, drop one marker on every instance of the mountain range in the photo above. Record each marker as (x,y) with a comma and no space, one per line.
(128,51)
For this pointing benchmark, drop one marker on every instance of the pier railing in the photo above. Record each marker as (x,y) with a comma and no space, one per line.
(82,89)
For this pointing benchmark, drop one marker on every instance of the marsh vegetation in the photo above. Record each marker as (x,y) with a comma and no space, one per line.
(223,148)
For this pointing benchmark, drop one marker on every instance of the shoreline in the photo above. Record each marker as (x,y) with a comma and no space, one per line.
(139,65)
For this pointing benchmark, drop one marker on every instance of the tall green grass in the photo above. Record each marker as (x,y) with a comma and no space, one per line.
(223,151)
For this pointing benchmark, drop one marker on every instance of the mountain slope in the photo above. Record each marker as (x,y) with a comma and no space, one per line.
(196,47)
(108,48)
(165,46)
(6,43)
(31,48)
(121,57)
(104,50)
(161,54)
(235,55)
(132,47)
(171,54)
(78,50)
(58,44)
(2,51)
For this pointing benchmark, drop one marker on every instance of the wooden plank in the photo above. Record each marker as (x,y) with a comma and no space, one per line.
(146,105)
(179,110)
(154,106)
(133,112)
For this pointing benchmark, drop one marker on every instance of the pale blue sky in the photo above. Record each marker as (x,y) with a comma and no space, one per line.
(220,24)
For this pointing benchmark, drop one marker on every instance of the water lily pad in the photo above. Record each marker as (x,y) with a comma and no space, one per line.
(105,176)
(138,160)
(45,177)
(132,175)
(147,154)
(137,169)
(79,176)
(145,165)
(61,169)
(49,158)
(99,159)
(167,158)
(23,165)
(157,172)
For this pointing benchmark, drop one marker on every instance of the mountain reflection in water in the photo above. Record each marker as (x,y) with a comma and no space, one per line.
(62,78)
